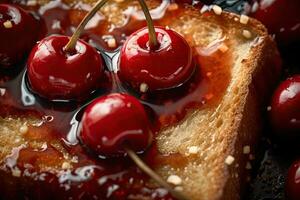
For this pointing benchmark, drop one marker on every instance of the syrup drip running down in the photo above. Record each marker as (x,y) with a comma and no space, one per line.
(118,178)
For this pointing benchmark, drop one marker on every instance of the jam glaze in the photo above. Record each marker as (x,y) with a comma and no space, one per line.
(91,177)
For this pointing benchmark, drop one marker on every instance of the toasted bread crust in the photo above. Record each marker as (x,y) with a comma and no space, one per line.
(264,77)
(249,94)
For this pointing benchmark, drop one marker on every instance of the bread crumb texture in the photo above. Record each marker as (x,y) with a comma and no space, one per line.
(32,138)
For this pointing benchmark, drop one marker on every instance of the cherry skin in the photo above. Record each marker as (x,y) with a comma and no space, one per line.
(285,106)
(18,33)
(292,185)
(113,121)
(167,66)
(59,75)
(281,17)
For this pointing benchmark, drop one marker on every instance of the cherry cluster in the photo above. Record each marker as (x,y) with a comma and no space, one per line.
(68,68)
(151,59)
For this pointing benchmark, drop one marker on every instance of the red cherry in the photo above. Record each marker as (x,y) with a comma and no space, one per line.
(167,66)
(285,106)
(281,17)
(18,33)
(112,121)
(56,74)
(293,182)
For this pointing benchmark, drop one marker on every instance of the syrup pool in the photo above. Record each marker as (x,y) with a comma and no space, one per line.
(91,176)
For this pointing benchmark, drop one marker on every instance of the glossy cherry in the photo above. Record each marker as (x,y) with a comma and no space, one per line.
(293,182)
(56,74)
(113,121)
(18,33)
(285,107)
(281,17)
(168,65)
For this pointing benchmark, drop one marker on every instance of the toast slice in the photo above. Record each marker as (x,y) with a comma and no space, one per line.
(214,145)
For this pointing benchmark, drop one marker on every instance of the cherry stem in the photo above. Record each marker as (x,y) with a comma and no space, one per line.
(145,168)
(70,47)
(153,43)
